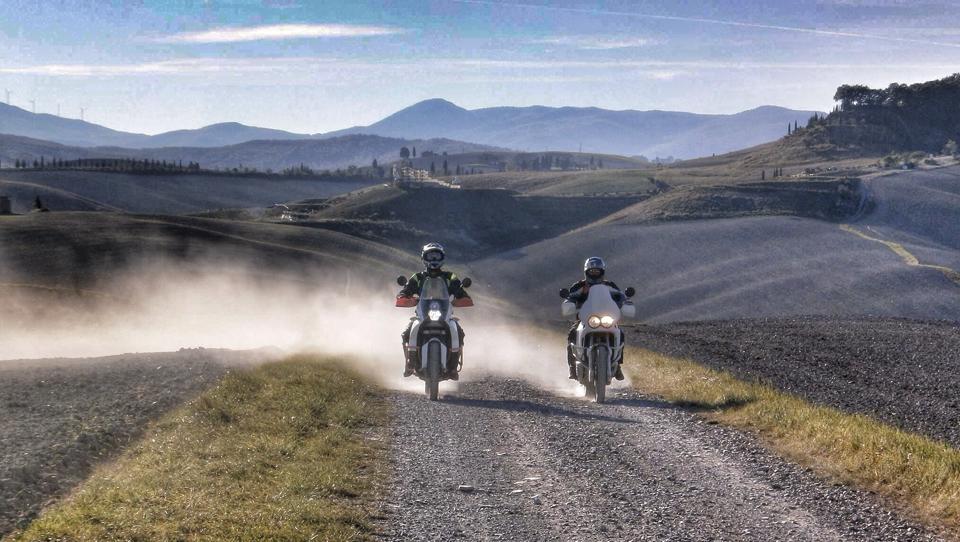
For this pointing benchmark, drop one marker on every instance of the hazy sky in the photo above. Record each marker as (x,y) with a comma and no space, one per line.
(150,66)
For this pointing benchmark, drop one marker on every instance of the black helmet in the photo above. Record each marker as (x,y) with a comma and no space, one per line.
(432,255)
(593,269)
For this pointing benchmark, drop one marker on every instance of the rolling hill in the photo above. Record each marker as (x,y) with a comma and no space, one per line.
(218,135)
(158,193)
(319,154)
(17,121)
(696,252)
(630,133)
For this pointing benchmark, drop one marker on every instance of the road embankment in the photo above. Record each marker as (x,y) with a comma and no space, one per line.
(287,450)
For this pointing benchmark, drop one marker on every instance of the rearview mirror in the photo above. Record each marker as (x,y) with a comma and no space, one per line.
(401,280)
(467,282)
(564,293)
(630,292)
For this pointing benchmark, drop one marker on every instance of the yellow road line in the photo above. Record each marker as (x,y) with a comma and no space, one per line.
(904,254)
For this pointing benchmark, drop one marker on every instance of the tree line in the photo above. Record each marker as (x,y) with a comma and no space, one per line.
(922,116)
(107,164)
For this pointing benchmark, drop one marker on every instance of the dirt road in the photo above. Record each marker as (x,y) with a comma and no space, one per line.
(549,466)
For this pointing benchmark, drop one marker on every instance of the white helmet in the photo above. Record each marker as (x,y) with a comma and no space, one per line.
(432,255)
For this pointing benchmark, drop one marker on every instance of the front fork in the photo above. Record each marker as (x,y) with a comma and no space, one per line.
(585,357)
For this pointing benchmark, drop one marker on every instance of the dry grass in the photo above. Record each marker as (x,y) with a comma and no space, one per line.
(273,453)
(915,472)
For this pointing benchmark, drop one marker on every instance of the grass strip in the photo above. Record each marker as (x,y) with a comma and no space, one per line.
(915,472)
(272,453)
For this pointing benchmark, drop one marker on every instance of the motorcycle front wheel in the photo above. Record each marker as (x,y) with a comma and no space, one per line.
(432,383)
(600,374)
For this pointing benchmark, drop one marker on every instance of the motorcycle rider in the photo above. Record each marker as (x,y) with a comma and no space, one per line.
(432,256)
(593,271)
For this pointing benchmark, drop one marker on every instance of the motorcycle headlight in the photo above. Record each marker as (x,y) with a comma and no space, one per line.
(593,321)
(434,313)
(606,321)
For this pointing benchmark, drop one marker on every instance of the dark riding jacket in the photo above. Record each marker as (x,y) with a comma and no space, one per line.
(416,283)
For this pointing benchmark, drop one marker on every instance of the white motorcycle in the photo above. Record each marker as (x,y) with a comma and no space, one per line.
(435,333)
(598,351)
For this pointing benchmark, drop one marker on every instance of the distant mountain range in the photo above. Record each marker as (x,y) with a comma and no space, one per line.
(537,128)
(319,154)
(629,133)
(16,121)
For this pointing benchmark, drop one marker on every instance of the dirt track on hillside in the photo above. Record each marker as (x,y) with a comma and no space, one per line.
(61,417)
(547,467)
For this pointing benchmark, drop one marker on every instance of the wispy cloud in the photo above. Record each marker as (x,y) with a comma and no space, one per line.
(722,22)
(278,32)
(191,66)
(289,69)
(684,65)
(593,43)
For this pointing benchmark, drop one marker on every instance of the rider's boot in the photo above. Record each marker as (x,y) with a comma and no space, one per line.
(619,374)
(455,363)
(408,367)
(570,363)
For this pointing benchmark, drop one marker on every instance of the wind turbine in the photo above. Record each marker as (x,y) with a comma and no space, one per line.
(33,106)
(82,112)
(8,95)
(58,110)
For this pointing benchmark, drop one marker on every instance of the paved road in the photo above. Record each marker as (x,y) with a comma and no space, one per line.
(544,466)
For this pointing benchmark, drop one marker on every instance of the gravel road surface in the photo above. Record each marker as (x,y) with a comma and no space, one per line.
(60,417)
(545,466)
(903,372)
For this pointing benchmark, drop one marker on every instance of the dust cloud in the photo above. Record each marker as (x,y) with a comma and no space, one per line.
(154,308)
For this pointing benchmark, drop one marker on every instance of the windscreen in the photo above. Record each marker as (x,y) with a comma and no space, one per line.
(599,302)
(434,288)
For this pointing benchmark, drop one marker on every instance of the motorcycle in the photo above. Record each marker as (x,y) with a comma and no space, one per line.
(598,351)
(435,333)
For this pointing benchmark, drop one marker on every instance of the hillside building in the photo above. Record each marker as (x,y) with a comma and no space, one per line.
(408,174)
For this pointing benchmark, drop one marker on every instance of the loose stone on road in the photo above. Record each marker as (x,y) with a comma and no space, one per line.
(543,466)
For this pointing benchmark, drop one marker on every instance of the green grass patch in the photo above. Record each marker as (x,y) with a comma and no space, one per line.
(919,474)
(272,453)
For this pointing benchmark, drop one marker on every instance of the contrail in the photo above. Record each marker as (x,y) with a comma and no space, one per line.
(741,24)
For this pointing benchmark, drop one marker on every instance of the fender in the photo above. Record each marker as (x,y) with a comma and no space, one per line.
(454,325)
(414,335)
(425,354)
